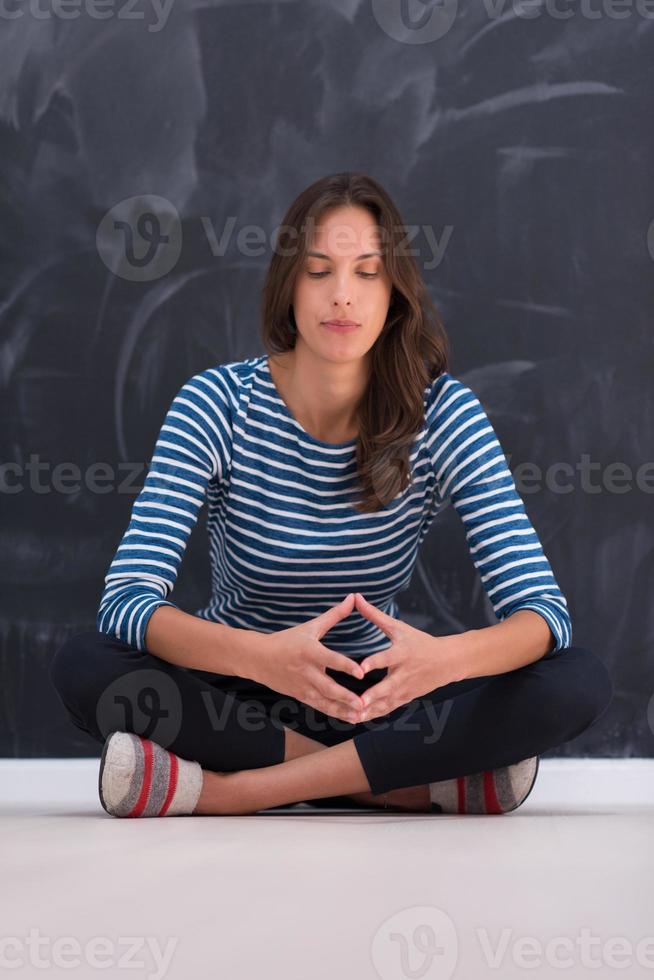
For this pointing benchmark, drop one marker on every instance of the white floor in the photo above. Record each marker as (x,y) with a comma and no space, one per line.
(562,887)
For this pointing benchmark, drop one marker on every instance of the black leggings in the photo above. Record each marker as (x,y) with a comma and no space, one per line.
(227,723)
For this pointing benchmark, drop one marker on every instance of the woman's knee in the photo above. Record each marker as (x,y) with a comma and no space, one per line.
(80,662)
(64,669)
(85,671)
(592,688)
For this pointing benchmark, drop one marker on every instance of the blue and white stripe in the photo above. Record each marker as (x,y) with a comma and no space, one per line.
(471,471)
(286,543)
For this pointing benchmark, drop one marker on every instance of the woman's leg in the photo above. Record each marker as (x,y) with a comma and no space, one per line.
(486,722)
(107,685)
(463,728)
(224,722)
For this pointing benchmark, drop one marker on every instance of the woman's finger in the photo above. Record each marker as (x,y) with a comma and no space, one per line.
(335,709)
(325,621)
(376,661)
(339,661)
(336,692)
(378,693)
(387,624)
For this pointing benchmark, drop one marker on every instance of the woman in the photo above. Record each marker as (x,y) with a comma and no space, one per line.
(323,463)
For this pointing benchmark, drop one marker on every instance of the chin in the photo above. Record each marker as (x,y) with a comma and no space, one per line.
(342,352)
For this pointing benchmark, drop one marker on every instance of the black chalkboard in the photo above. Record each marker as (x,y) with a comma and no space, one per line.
(522,146)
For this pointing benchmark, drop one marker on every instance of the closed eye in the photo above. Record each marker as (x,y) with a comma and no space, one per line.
(364,275)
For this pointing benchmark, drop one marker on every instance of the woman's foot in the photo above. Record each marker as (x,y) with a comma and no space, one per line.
(139,778)
(493,791)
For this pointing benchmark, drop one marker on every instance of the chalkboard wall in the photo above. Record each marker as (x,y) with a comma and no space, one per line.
(520,149)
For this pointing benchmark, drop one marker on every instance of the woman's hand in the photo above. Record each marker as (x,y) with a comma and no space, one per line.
(293,661)
(417,662)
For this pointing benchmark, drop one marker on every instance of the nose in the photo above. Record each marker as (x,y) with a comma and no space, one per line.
(343,285)
(341,296)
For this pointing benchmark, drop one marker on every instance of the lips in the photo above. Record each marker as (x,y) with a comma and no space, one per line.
(340,326)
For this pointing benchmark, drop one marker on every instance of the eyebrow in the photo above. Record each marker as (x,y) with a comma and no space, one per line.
(366,255)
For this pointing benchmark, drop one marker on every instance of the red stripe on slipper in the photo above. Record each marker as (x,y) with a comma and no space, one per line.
(461,789)
(172,782)
(490,795)
(139,806)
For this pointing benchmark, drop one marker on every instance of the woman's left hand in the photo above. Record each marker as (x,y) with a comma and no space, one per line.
(417,662)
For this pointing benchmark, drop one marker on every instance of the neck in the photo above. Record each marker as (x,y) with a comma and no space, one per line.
(322,395)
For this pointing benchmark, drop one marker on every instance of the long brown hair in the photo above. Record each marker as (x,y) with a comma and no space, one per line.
(411,350)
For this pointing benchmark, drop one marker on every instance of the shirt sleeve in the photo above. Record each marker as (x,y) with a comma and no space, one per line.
(471,470)
(192,448)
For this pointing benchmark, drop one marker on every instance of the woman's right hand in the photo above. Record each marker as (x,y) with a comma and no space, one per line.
(293,661)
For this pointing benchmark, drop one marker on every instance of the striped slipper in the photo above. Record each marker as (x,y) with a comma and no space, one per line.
(495,791)
(139,778)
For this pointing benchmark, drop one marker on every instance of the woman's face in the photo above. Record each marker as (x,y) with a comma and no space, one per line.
(341,279)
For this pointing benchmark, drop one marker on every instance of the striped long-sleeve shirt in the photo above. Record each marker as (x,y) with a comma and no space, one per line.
(285,540)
